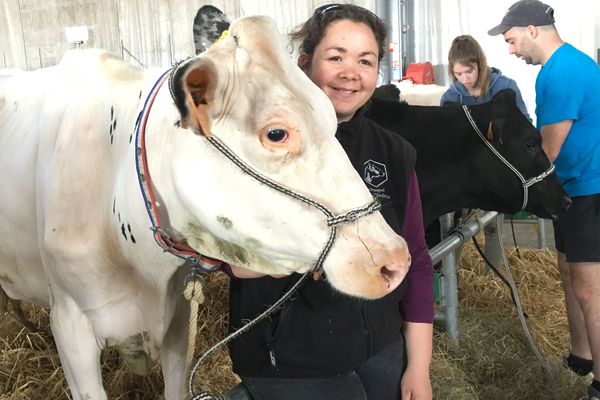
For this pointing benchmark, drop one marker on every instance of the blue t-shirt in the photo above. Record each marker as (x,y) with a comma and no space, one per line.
(568,88)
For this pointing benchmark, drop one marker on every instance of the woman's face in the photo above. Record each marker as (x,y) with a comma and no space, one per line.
(466,74)
(345,65)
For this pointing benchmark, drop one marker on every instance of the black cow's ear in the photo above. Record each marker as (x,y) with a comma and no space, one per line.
(507,96)
(451,104)
(495,130)
(388,92)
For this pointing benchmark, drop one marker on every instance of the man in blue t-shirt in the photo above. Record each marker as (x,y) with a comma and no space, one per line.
(568,119)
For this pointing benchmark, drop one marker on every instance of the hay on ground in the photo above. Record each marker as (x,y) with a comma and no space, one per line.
(492,362)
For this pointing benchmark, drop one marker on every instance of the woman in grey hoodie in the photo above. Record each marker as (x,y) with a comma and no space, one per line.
(473,82)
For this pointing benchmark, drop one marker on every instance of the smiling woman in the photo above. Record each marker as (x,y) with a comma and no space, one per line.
(324,345)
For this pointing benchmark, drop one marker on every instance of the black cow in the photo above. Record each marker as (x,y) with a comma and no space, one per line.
(455,167)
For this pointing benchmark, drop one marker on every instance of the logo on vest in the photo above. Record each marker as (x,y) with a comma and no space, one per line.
(375,173)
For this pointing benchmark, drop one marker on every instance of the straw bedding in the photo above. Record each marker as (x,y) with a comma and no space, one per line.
(493,360)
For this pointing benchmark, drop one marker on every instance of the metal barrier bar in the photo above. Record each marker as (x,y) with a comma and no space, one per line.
(539,225)
(445,252)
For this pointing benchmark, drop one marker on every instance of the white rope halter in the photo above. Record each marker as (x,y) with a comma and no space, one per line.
(525,183)
(207,264)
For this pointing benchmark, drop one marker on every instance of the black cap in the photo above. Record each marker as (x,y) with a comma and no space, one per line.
(525,13)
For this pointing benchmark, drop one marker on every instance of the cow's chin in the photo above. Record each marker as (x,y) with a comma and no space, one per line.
(368,277)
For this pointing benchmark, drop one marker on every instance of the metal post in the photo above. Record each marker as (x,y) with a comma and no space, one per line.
(395,41)
(408,32)
(384,66)
(450,291)
(445,252)
(541,233)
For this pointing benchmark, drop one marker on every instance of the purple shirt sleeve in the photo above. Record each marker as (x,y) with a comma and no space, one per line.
(417,305)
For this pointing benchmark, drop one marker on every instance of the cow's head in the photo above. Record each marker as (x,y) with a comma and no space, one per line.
(520,144)
(247,92)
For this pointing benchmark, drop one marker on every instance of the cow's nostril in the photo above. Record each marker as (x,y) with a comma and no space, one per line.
(393,271)
(387,275)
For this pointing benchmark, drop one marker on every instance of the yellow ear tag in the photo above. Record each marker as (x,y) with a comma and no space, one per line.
(224,35)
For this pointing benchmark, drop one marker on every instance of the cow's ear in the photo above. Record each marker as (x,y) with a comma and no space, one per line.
(451,104)
(505,96)
(193,86)
(495,130)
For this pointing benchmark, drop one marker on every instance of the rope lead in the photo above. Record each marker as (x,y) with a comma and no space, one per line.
(193,293)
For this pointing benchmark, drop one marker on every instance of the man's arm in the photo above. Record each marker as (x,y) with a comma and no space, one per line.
(553,137)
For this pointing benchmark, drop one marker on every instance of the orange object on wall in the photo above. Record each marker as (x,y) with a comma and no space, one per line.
(420,73)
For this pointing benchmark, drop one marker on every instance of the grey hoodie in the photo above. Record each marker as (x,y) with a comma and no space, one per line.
(457,93)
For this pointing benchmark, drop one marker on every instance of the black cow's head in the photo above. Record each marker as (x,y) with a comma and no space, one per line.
(517,140)
(456,169)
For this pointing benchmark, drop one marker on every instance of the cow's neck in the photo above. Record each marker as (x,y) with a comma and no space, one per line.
(133,223)
(446,174)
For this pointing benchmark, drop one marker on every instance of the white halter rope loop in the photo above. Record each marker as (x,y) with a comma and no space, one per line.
(525,183)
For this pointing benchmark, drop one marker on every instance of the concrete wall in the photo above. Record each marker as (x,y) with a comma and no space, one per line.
(148,32)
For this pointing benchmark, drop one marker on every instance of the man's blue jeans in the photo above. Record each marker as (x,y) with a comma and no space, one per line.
(377,379)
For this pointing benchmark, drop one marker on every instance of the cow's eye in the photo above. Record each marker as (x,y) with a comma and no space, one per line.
(531,147)
(277,135)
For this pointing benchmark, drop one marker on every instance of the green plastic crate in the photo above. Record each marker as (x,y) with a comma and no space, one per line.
(521,215)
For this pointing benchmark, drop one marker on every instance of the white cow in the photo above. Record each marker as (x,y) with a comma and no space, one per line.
(74,226)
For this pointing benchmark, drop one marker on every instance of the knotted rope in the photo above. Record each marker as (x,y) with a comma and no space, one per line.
(194,293)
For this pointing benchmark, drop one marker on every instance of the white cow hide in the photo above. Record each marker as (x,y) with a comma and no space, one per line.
(74,227)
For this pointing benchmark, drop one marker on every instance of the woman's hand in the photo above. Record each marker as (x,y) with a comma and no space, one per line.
(415,385)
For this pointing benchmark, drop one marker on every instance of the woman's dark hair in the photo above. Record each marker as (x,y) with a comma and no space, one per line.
(310,34)
(466,51)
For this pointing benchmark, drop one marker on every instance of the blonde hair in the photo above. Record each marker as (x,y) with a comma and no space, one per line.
(466,51)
